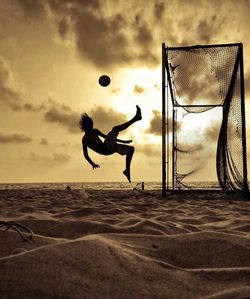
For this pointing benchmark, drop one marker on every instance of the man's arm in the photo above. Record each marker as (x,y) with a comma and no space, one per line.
(101,134)
(124,141)
(86,156)
(118,140)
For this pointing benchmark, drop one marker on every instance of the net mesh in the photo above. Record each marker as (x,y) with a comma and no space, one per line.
(208,122)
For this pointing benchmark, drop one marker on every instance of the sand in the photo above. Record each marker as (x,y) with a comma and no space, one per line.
(125,244)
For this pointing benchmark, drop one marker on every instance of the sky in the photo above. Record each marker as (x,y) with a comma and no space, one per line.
(52,53)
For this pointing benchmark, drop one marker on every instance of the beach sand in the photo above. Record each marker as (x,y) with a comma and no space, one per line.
(125,244)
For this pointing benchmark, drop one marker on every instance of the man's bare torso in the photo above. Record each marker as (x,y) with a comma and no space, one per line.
(92,140)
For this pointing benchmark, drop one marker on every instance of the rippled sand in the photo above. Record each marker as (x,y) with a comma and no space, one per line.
(125,244)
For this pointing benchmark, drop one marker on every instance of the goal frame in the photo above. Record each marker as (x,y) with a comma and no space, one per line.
(168,150)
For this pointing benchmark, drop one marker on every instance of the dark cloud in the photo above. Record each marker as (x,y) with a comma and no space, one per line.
(10,98)
(208,28)
(106,40)
(159,8)
(138,89)
(97,39)
(155,126)
(33,9)
(143,41)
(5,72)
(126,33)
(44,141)
(96,35)
(14,138)
(106,118)
(199,25)
(65,5)
(52,160)
(202,75)
(143,35)
(63,116)
(212,132)
(63,28)
(29,107)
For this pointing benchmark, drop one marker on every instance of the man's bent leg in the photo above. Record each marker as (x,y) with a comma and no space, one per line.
(124,126)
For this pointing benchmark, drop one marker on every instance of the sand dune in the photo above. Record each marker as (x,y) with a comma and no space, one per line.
(125,244)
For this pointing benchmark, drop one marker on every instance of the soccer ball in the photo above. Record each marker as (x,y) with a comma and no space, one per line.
(104,80)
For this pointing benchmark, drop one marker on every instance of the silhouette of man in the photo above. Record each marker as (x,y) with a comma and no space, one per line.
(111,143)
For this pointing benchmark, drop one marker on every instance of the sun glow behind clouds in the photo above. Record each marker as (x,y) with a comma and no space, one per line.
(193,126)
(140,87)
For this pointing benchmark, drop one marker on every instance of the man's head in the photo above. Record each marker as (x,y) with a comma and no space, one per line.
(86,122)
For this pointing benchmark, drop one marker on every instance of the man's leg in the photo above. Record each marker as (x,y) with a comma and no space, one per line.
(129,156)
(127,150)
(124,126)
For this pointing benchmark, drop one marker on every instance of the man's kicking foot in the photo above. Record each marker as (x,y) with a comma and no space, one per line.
(138,113)
(127,174)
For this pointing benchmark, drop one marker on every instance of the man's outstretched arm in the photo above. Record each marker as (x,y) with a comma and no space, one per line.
(124,141)
(86,156)
(118,140)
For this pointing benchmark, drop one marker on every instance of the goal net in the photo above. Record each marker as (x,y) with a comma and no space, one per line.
(205,117)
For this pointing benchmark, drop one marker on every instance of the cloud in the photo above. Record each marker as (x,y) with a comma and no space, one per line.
(159,9)
(63,27)
(14,138)
(155,126)
(96,35)
(44,141)
(206,29)
(116,90)
(106,118)
(113,35)
(157,86)
(8,95)
(234,131)
(63,116)
(107,40)
(212,132)
(143,34)
(54,159)
(150,150)
(138,89)
(202,76)
(96,39)
(32,9)
(29,107)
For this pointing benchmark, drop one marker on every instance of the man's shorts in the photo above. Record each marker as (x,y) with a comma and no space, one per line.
(110,142)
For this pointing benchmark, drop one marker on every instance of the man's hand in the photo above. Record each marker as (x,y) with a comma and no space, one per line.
(95,166)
